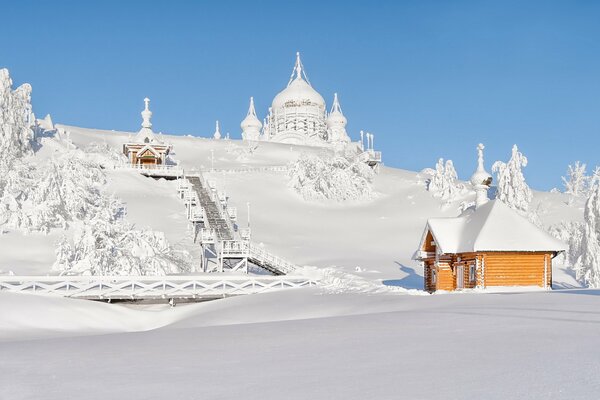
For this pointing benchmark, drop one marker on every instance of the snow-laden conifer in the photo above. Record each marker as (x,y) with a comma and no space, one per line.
(443,180)
(336,178)
(16,119)
(511,186)
(588,267)
(576,182)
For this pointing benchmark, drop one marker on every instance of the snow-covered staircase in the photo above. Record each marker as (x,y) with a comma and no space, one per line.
(233,249)
(214,218)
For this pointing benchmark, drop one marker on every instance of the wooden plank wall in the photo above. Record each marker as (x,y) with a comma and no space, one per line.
(517,269)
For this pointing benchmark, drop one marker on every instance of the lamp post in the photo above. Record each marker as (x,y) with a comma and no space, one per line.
(249,231)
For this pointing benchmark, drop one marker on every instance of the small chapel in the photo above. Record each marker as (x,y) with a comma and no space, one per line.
(146,150)
(488,245)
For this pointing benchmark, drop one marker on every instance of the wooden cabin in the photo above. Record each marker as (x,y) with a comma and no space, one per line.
(487,246)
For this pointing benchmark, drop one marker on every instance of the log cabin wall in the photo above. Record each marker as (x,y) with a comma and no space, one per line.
(517,269)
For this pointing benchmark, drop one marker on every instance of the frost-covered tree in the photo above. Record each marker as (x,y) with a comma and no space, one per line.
(16,119)
(576,182)
(103,247)
(588,267)
(443,180)
(511,186)
(337,178)
(571,233)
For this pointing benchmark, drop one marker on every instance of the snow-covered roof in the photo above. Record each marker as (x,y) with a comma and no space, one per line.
(491,227)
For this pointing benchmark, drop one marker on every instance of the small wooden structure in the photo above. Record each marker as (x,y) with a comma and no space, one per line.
(146,150)
(488,245)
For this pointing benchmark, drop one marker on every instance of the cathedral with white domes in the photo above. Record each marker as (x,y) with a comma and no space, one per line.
(298,115)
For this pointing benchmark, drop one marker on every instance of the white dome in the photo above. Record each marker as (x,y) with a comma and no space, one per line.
(250,122)
(298,93)
(336,117)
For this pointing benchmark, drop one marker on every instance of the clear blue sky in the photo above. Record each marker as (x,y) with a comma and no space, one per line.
(429,78)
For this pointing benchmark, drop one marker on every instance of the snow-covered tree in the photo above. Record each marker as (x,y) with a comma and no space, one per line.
(336,178)
(571,233)
(511,186)
(443,180)
(576,182)
(16,119)
(103,247)
(588,267)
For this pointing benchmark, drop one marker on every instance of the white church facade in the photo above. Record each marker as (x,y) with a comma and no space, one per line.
(298,115)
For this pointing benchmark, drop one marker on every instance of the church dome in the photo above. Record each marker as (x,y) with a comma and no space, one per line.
(298,93)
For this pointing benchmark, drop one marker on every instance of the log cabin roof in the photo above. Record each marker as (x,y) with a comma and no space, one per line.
(491,227)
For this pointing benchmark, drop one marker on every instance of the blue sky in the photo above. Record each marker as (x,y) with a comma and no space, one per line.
(429,78)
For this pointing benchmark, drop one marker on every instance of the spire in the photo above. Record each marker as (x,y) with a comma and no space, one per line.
(146,114)
(298,71)
(481,179)
(251,110)
(217,134)
(336,105)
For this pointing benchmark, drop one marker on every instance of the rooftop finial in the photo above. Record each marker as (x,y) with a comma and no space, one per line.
(146,114)
(480,148)
(481,179)
(298,66)
(251,110)
(336,105)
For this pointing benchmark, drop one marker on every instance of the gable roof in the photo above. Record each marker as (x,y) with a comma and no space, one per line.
(148,148)
(491,227)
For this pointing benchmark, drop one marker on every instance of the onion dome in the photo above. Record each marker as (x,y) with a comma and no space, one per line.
(251,122)
(336,117)
(298,92)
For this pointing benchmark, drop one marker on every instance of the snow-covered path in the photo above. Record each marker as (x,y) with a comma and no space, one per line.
(495,346)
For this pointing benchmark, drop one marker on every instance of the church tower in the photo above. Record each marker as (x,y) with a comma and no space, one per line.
(336,123)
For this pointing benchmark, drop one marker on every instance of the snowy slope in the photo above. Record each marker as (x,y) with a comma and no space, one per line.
(376,237)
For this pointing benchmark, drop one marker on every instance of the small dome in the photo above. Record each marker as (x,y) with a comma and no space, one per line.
(251,121)
(336,117)
(298,93)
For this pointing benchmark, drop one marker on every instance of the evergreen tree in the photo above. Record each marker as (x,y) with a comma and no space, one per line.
(588,268)
(576,183)
(512,188)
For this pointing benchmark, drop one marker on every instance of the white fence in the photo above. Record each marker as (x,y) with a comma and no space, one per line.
(149,288)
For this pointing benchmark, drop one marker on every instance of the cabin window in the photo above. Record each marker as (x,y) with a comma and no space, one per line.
(433,275)
(472,273)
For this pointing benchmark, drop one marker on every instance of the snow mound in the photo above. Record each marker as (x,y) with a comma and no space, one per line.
(333,280)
